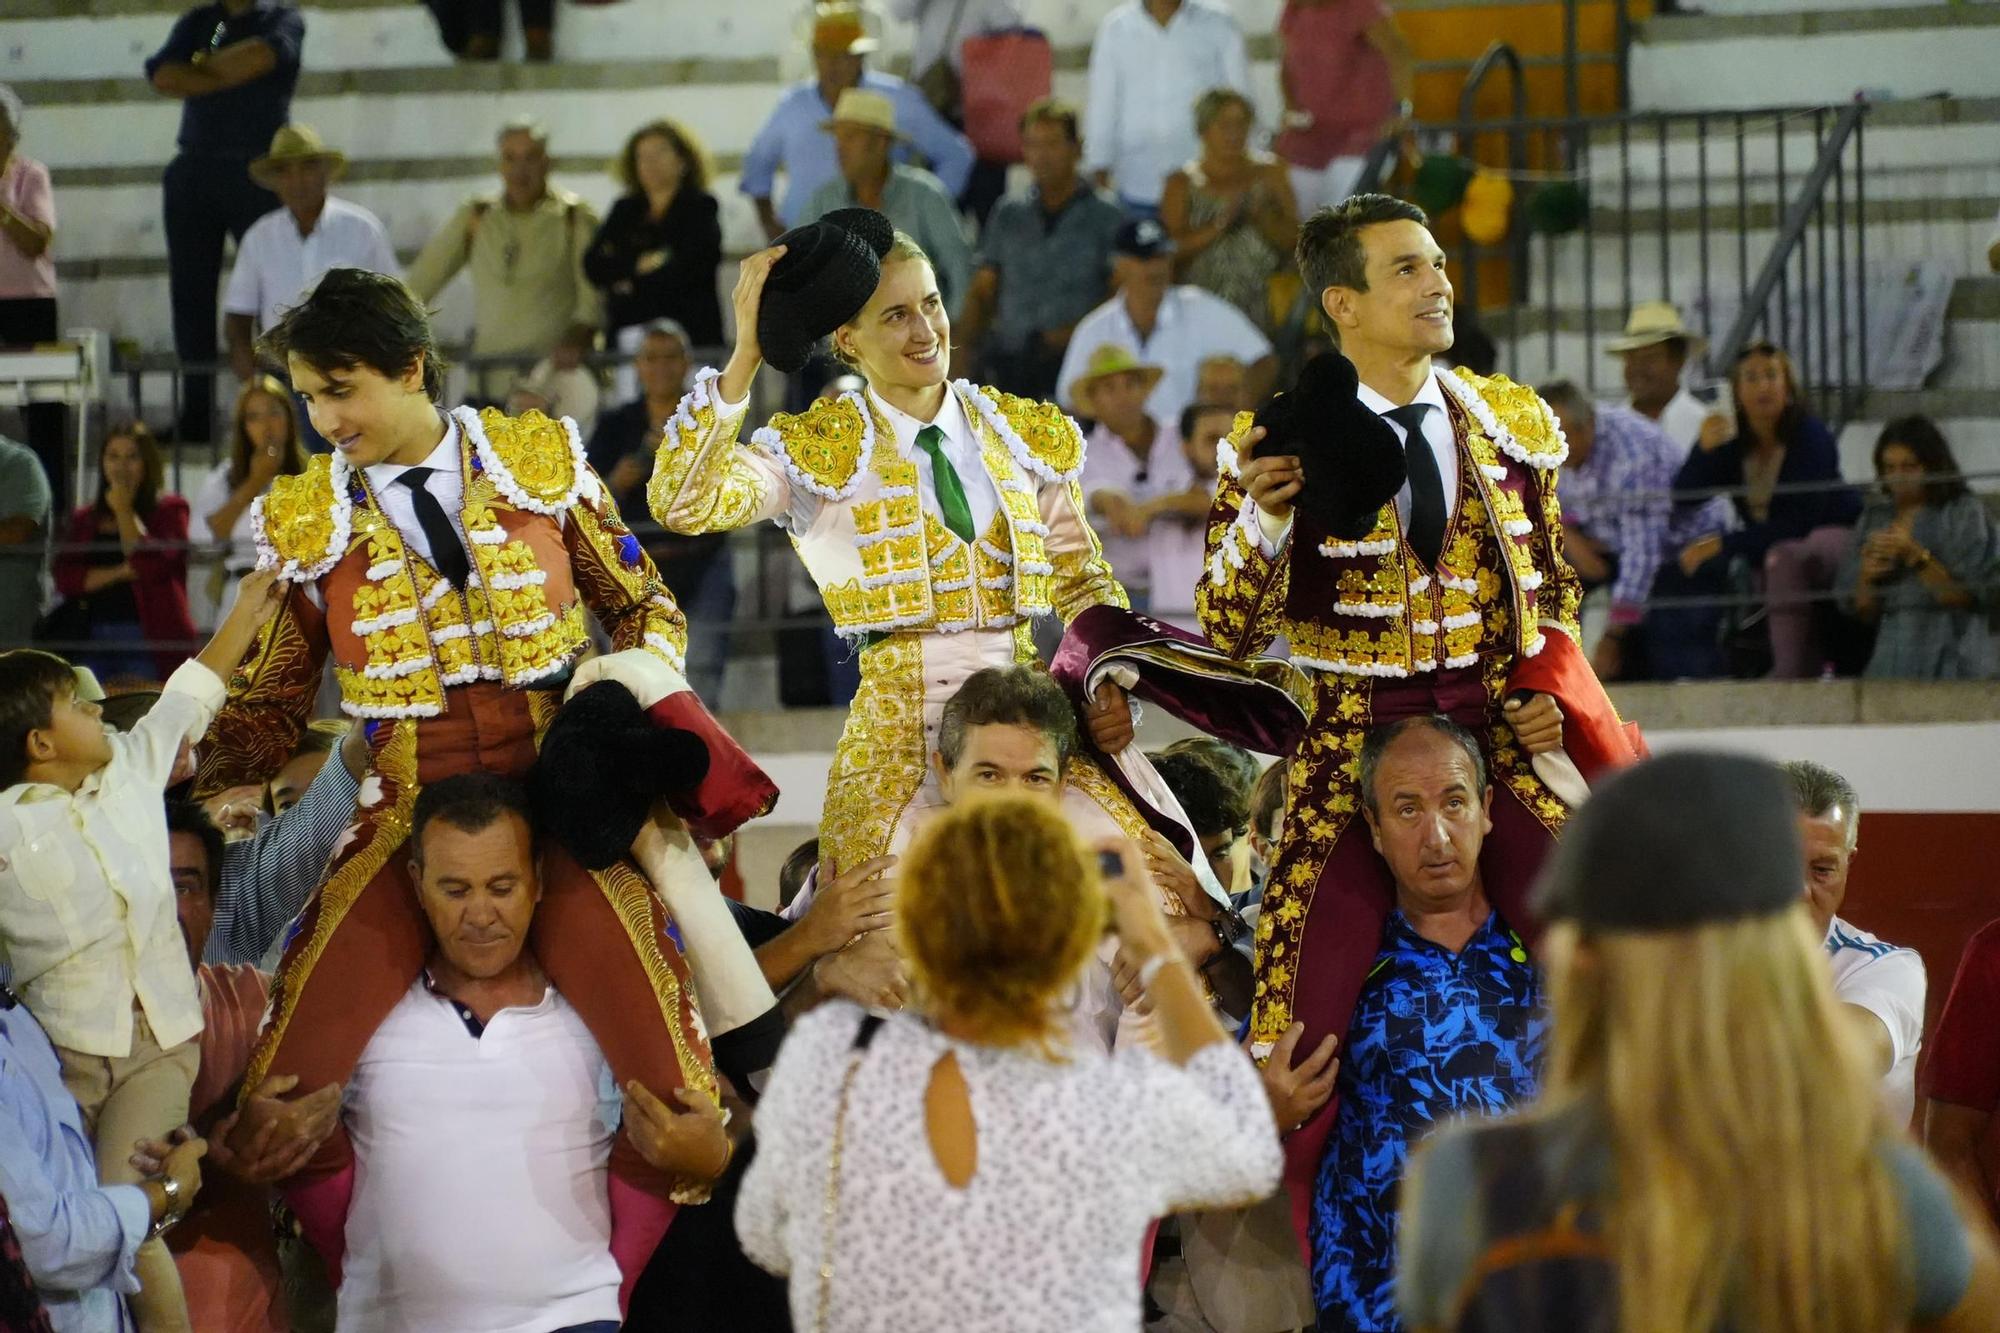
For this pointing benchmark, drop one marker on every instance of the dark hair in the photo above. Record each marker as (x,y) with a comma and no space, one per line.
(352,318)
(321,736)
(694,158)
(1237,765)
(1921,436)
(1210,104)
(1267,798)
(1793,418)
(266,386)
(30,683)
(1329,251)
(148,445)
(469,802)
(1053,111)
(1193,413)
(1378,741)
(792,874)
(1567,394)
(1020,696)
(188,817)
(1213,801)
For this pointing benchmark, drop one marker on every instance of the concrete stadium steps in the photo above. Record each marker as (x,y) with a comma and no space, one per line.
(1700,61)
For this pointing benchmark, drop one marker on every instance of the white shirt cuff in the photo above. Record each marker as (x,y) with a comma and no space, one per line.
(204,686)
(1272,533)
(724,408)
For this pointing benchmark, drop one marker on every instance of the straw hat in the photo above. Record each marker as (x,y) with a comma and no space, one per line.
(870,111)
(1109,359)
(1654,322)
(842,28)
(296,143)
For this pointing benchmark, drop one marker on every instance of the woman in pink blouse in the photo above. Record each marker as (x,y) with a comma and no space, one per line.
(28,274)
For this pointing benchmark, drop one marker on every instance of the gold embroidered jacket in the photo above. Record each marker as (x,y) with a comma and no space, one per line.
(833,476)
(1369,608)
(545,540)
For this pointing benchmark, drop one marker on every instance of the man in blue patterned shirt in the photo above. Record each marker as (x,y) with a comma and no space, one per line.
(1450,1021)
(1619,517)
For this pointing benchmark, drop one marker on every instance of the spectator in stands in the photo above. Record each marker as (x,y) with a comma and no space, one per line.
(1921,562)
(558,387)
(1964,1071)
(234,64)
(1796,537)
(696,569)
(1882,983)
(1710,1151)
(1619,521)
(937,68)
(1230,211)
(26,514)
(864,133)
(122,567)
(656,255)
(1174,327)
(226,1251)
(264,445)
(1654,352)
(1044,261)
(73,1239)
(1223,381)
(1215,802)
(472,28)
(28,277)
(796,138)
(317,744)
(1131,462)
(1148,63)
(1348,77)
(283,253)
(1176,543)
(999,909)
(1447,954)
(525,247)
(451,1223)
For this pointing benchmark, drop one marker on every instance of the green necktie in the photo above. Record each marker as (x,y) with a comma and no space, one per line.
(950,492)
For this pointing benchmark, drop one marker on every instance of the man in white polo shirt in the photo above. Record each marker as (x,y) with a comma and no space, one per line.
(482,1111)
(1884,983)
(284,252)
(1174,327)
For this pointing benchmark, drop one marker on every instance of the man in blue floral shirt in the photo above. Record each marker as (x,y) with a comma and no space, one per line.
(1450,1021)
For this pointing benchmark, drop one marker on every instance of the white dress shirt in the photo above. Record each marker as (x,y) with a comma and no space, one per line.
(1110,465)
(1888,981)
(445,482)
(1193,325)
(480,1185)
(1144,79)
(87,909)
(1681,418)
(961,446)
(1437,434)
(275,266)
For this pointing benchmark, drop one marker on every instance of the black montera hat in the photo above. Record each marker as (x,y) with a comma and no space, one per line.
(1677,842)
(829,270)
(602,764)
(1351,458)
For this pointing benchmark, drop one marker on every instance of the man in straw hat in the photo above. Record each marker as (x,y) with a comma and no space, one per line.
(286,250)
(1133,471)
(1654,351)
(796,138)
(863,125)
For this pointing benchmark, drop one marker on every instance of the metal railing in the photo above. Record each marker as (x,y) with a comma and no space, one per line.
(1753,222)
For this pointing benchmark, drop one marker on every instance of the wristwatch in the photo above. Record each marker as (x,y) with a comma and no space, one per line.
(1228,927)
(173,1212)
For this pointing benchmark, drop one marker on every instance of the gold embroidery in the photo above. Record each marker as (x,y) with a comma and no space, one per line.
(534,451)
(879,764)
(824,442)
(1051,437)
(298,514)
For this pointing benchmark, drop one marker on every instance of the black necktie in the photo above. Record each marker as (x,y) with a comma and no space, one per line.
(1426,485)
(447,552)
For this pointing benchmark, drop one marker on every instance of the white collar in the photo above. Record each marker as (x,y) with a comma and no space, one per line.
(1431,395)
(950,419)
(444,458)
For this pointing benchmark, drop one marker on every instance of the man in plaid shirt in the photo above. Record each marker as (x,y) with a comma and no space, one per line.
(1619,517)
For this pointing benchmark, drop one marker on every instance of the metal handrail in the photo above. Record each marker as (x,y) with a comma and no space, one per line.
(1799,211)
(1496,54)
